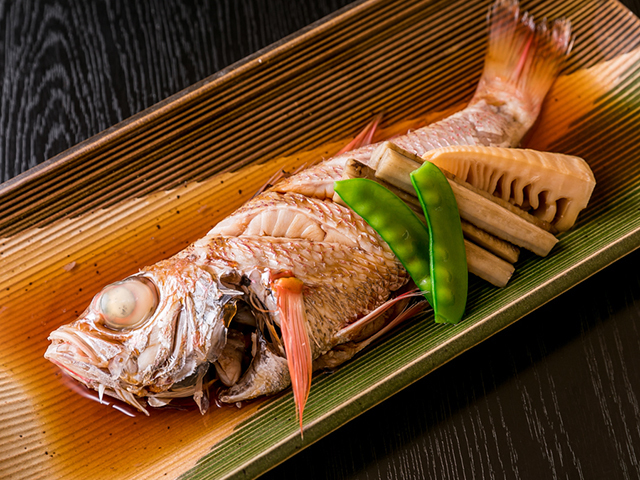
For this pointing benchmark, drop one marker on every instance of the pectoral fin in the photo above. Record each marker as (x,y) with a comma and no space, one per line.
(296,340)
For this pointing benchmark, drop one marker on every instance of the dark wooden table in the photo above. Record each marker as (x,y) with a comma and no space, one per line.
(557,395)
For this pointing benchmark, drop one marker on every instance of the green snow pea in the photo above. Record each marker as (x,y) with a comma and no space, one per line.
(449,272)
(394,221)
(434,256)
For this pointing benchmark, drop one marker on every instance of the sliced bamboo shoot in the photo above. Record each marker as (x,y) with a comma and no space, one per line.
(556,186)
(544,225)
(502,223)
(487,266)
(493,244)
(355,169)
(386,151)
(393,162)
(394,165)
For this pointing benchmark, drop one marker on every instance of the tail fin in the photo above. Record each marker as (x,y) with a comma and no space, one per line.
(523,58)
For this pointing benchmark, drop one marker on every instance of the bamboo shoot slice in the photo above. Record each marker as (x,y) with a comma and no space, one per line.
(556,186)
(502,223)
(505,250)
(394,165)
(487,266)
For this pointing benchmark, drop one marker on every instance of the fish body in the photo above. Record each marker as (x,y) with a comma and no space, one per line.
(291,281)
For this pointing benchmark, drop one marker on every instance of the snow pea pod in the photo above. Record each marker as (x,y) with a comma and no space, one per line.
(394,221)
(448,260)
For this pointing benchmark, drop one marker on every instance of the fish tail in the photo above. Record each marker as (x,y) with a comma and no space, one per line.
(523,57)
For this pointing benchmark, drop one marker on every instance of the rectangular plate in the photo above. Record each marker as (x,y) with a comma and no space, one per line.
(149,186)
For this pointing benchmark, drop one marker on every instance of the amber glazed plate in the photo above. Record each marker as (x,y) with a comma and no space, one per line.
(151,185)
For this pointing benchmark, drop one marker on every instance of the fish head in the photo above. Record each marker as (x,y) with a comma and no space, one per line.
(150,335)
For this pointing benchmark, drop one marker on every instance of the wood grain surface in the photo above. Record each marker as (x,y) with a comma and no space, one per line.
(557,395)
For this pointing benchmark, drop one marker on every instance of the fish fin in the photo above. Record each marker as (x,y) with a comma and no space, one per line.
(353,329)
(345,351)
(365,137)
(276,177)
(523,58)
(406,313)
(296,340)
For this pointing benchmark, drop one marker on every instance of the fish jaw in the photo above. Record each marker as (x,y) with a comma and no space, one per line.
(98,362)
(93,363)
(83,357)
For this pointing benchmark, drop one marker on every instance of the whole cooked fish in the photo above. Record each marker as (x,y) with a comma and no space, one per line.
(292,281)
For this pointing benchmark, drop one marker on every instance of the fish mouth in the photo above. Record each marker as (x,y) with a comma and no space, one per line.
(71,352)
(69,345)
(64,355)
(83,357)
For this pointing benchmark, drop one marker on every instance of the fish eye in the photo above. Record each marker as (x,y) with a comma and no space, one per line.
(128,303)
